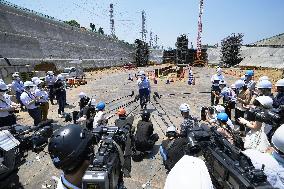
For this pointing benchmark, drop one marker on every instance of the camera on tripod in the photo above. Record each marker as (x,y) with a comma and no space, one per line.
(105,170)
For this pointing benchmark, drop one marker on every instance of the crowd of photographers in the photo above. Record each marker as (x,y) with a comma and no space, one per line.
(92,154)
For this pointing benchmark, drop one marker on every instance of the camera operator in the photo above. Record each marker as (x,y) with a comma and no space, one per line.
(31,102)
(229,97)
(223,127)
(278,101)
(123,119)
(88,113)
(256,138)
(243,100)
(172,148)
(145,137)
(7,107)
(69,149)
(189,121)
(273,160)
(211,116)
(84,100)
(215,90)
(100,118)
(43,99)
(189,172)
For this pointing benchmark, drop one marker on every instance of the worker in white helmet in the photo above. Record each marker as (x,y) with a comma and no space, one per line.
(264,88)
(84,100)
(18,88)
(278,101)
(59,90)
(229,97)
(188,120)
(144,89)
(50,80)
(215,90)
(273,160)
(189,172)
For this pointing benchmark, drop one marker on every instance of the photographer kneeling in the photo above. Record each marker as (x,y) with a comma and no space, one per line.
(172,148)
(145,137)
(69,148)
(7,107)
(88,113)
(256,138)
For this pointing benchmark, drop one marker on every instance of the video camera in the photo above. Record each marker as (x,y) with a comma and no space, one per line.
(266,116)
(196,136)
(210,109)
(113,156)
(17,140)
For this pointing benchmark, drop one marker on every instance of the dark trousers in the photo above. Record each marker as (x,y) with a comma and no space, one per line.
(144,94)
(36,115)
(18,95)
(61,103)
(51,93)
(214,99)
(64,97)
(8,121)
(239,114)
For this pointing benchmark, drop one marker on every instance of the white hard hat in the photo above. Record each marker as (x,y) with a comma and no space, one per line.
(264,84)
(278,139)
(82,95)
(61,77)
(50,72)
(219,70)
(216,78)
(34,79)
(141,72)
(171,129)
(239,83)
(280,83)
(265,101)
(220,109)
(263,78)
(15,75)
(243,77)
(38,81)
(184,107)
(233,86)
(29,84)
(3,86)
(93,102)
(222,82)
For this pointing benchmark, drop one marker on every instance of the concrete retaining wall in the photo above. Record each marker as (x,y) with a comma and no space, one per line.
(27,38)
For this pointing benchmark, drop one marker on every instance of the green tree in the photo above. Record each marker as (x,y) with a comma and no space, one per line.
(230,50)
(73,23)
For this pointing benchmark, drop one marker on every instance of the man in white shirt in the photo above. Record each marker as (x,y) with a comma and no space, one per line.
(31,102)
(100,119)
(43,99)
(7,107)
(144,88)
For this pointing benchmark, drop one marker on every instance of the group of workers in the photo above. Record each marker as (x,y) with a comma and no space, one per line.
(32,96)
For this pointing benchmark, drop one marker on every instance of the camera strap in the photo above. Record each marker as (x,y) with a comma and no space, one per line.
(120,153)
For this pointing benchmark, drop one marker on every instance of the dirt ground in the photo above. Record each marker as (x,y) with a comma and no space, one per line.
(106,85)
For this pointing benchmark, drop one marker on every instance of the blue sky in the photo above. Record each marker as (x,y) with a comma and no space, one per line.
(257,19)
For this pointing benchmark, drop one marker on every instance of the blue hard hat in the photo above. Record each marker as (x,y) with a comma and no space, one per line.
(100,106)
(222,117)
(249,73)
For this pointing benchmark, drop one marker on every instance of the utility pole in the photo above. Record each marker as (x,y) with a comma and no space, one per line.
(143,30)
(156,41)
(151,39)
(112,29)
